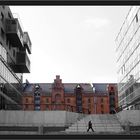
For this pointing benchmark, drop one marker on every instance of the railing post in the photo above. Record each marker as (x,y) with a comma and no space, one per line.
(128,127)
(77,125)
(40,129)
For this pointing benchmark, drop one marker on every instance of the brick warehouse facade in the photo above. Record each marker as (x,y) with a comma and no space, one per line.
(98,98)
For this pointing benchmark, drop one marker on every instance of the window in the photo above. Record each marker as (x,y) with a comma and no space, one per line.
(26,106)
(136,18)
(47,107)
(2,16)
(7,42)
(102,100)
(37,102)
(102,106)
(131,89)
(9,15)
(68,100)
(2,33)
(14,53)
(79,108)
(37,107)
(88,100)
(47,100)
(26,100)
(37,97)
(79,102)
(1,43)
(112,88)
(79,97)
(9,46)
(95,100)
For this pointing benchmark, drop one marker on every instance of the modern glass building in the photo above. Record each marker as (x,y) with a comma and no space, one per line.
(128,60)
(15,45)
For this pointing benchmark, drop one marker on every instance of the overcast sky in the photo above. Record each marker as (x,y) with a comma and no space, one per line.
(75,42)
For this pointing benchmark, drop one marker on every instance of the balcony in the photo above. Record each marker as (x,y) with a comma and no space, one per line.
(14,32)
(27,42)
(22,63)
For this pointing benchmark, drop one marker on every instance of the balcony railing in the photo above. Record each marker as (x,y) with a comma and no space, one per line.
(22,63)
(133,96)
(11,94)
(14,32)
(27,42)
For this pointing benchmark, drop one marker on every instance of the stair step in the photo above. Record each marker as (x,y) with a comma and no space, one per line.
(101,123)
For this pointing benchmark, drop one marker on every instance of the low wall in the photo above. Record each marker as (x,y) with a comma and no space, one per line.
(72,117)
(46,118)
(131,116)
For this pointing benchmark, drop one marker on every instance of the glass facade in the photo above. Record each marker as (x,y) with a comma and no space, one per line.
(6,72)
(10,95)
(128,60)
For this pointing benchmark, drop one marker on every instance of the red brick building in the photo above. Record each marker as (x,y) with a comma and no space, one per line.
(96,98)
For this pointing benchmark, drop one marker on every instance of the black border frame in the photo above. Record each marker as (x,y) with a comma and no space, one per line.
(71,136)
(71,3)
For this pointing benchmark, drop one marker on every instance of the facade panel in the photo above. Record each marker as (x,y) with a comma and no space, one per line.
(128,58)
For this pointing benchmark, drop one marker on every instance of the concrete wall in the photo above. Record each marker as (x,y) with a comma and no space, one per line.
(46,118)
(133,116)
(72,117)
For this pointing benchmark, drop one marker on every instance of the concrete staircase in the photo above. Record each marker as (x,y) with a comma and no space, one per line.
(100,122)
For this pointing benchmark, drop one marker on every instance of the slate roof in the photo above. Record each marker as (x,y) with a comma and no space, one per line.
(101,87)
(46,87)
(68,87)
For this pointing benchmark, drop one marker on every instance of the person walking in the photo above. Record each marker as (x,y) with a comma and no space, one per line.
(90,126)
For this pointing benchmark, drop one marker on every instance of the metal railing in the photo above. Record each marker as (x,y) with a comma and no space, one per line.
(96,126)
(70,126)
